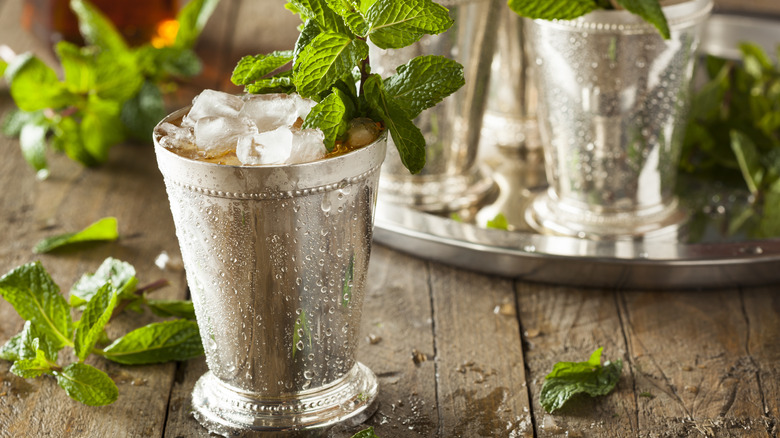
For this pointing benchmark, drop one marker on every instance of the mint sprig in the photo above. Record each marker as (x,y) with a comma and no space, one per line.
(568,379)
(330,65)
(649,10)
(105,229)
(49,328)
(110,91)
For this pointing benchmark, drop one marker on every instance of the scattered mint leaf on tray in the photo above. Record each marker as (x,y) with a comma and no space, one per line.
(568,379)
(49,328)
(330,65)
(366,433)
(103,230)
(498,223)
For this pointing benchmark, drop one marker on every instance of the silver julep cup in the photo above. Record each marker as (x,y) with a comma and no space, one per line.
(276,260)
(613,105)
(451,178)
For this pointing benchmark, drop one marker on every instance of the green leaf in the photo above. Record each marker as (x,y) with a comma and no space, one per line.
(87,384)
(310,30)
(366,433)
(748,158)
(10,350)
(176,308)
(301,330)
(755,60)
(319,11)
(36,298)
(349,10)
(103,230)
(121,275)
(406,136)
(328,58)
(35,85)
(330,116)
(16,119)
(498,223)
(346,289)
(568,379)
(280,84)
(142,113)
(117,76)
(192,19)
(101,127)
(67,138)
(32,368)
(96,28)
(650,11)
(94,319)
(157,63)
(553,10)
(252,68)
(394,24)
(423,82)
(3,66)
(34,339)
(175,340)
(32,140)
(78,66)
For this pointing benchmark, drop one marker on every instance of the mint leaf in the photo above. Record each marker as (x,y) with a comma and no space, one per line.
(121,275)
(32,140)
(176,308)
(34,85)
(553,10)
(34,339)
(192,19)
(67,138)
(141,113)
(158,342)
(330,115)
(498,223)
(310,30)
(279,84)
(319,11)
(406,136)
(96,28)
(349,10)
(252,68)
(103,230)
(328,58)
(95,317)
(748,158)
(87,384)
(650,11)
(36,298)
(3,66)
(568,379)
(16,119)
(32,368)
(423,82)
(77,66)
(395,24)
(10,350)
(366,433)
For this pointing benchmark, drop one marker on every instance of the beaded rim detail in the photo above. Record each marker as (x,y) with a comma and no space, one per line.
(278,195)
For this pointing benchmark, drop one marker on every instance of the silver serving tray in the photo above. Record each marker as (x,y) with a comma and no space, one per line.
(712,259)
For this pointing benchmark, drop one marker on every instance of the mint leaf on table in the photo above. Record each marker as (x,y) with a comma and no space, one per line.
(568,379)
(36,298)
(121,275)
(141,113)
(33,367)
(366,433)
(33,339)
(157,342)
(394,24)
(87,384)
(103,230)
(10,350)
(326,59)
(32,140)
(94,319)
(176,308)
(406,136)
(423,82)
(96,28)
(35,85)
(3,66)
(192,19)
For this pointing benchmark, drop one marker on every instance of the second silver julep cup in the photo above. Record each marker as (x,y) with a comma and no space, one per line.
(276,260)
(613,102)
(452,178)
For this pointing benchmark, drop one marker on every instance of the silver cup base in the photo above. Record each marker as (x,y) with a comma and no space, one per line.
(437,193)
(548,215)
(230,412)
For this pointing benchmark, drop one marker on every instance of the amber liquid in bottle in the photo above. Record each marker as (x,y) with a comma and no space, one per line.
(140,21)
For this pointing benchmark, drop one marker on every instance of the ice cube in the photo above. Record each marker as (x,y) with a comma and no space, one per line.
(362,132)
(271,147)
(270,111)
(210,103)
(176,137)
(215,136)
(307,145)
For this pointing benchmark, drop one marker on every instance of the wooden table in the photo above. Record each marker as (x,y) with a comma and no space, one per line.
(459,354)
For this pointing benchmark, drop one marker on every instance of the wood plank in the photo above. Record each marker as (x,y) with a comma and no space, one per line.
(762,313)
(479,360)
(694,373)
(567,324)
(130,188)
(755,7)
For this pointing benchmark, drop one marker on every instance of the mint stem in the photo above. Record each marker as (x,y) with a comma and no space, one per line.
(365,65)
(153,286)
